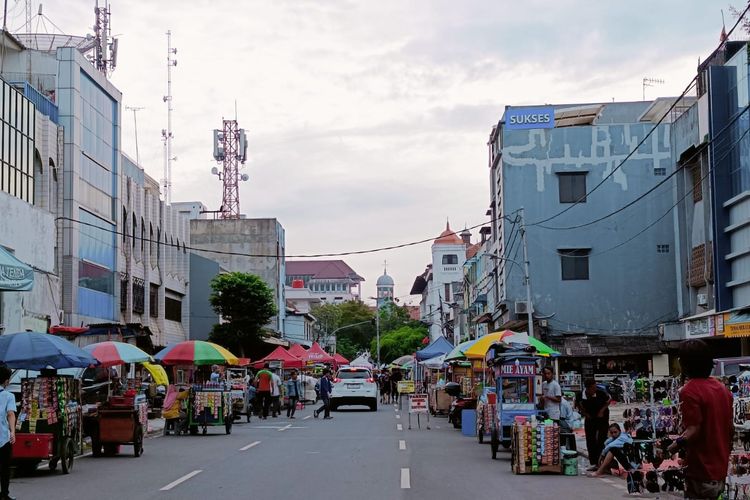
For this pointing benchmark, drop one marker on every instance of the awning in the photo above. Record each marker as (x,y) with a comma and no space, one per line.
(15,276)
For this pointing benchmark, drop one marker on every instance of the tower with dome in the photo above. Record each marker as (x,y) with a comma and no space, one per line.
(385,286)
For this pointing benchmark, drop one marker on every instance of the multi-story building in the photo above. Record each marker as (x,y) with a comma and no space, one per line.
(299,324)
(479,280)
(332,281)
(600,282)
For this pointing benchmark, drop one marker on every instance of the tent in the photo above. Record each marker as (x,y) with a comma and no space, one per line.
(297,351)
(439,346)
(340,360)
(281,354)
(316,354)
(361,361)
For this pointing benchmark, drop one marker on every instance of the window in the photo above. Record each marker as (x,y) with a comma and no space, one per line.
(695,172)
(575,264)
(450,259)
(447,292)
(662,248)
(173,309)
(123,295)
(572,187)
(153,301)
(95,277)
(138,296)
(660,171)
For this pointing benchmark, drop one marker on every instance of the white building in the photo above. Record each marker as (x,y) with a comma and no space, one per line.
(332,281)
(299,323)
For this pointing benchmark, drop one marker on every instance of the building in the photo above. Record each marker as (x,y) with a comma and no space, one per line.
(385,288)
(191,209)
(600,283)
(479,290)
(332,281)
(255,246)
(202,315)
(299,324)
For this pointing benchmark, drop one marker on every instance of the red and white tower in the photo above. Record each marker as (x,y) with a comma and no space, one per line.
(230,148)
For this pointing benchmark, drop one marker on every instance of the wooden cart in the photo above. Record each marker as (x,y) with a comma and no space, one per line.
(122,421)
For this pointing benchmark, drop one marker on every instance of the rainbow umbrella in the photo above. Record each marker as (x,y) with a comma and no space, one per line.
(112,353)
(458,352)
(480,347)
(196,352)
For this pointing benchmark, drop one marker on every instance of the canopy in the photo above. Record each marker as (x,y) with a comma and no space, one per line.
(117,353)
(297,351)
(522,338)
(483,343)
(195,352)
(316,354)
(435,363)
(281,354)
(361,361)
(402,361)
(341,360)
(36,351)
(158,372)
(458,351)
(14,274)
(439,346)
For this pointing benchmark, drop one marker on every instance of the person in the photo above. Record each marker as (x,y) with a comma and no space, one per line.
(708,432)
(7,431)
(251,392)
(325,395)
(385,388)
(551,394)
(594,406)
(613,451)
(174,414)
(566,418)
(215,374)
(293,392)
(263,381)
(396,377)
(275,393)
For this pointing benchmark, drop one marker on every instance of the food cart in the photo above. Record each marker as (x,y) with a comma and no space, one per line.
(237,381)
(122,420)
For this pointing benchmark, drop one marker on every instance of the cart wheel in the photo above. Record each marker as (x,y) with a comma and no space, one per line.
(67,456)
(138,442)
(96,447)
(480,435)
(193,430)
(494,444)
(52,464)
(228,425)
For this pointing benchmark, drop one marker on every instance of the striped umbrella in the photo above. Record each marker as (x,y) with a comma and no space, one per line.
(196,352)
(112,353)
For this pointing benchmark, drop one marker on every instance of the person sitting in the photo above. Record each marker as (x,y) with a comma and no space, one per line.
(175,416)
(613,451)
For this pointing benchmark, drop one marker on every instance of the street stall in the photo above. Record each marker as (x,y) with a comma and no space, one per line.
(123,419)
(209,403)
(339,360)
(238,381)
(48,426)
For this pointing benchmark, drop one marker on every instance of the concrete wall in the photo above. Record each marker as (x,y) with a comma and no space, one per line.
(202,316)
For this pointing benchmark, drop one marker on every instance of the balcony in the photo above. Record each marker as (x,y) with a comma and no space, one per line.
(450,269)
(43,104)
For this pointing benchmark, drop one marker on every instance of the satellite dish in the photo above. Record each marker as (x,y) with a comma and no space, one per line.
(215,171)
(245,177)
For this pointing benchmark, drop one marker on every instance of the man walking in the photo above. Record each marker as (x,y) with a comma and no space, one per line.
(263,381)
(594,406)
(293,392)
(7,431)
(325,394)
(706,408)
(275,394)
(551,394)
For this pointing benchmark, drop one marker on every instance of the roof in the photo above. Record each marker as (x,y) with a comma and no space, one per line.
(385,280)
(448,237)
(473,250)
(322,269)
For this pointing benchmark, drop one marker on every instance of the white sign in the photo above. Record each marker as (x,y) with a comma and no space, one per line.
(418,403)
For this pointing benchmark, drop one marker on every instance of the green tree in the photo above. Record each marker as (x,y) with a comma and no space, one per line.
(334,316)
(399,342)
(393,317)
(246,304)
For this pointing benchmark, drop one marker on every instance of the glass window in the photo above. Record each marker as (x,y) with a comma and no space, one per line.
(450,259)
(95,277)
(575,264)
(572,187)
(172,309)
(97,240)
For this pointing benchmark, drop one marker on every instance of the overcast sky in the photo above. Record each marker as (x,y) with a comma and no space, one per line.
(368,120)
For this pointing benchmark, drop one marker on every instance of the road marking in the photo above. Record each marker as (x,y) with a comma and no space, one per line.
(398,416)
(254,443)
(309,416)
(285,427)
(399,427)
(401,444)
(195,473)
(405,479)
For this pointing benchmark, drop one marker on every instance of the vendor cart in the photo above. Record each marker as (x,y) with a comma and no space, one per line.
(237,381)
(210,405)
(123,420)
(49,423)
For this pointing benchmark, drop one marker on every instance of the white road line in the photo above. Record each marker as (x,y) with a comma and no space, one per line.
(285,427)
(254,443)
(398,416)
(399,427)
(309,416)
(401,444)
(195,473)
(405,479)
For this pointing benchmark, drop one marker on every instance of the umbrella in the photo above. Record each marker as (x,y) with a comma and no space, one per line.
(402,361)
(35,351)
(438,347)
(195,352)
(435,363)
(483,343)
(361,361)
(316,354)
(522,338)
(458,351)
(158,372)
(280,354)
(116,353)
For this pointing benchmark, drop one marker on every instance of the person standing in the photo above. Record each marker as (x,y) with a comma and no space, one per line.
(215,374)
(396,377)
(594,406)
(551,394)
(293,392)
(275,394)
(263,381)
(325,395)
(7,431)
(708,431)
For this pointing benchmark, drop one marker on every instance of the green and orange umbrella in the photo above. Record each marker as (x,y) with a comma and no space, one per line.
(196,352)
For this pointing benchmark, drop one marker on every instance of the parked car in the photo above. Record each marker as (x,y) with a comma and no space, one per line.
(354,386)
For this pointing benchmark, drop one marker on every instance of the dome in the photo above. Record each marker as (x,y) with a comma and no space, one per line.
(385,280)
(448,237)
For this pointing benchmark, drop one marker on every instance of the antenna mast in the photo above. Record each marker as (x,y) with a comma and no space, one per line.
(105,47)
(166,134)
(650,82)
(230,148)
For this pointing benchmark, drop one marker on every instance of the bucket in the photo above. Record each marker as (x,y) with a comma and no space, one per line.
(570,463)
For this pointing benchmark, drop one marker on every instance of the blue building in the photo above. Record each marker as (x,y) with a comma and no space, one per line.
(600,288)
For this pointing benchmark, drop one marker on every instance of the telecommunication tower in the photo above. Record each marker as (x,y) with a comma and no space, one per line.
(105,50)
(230,148)
(166,134)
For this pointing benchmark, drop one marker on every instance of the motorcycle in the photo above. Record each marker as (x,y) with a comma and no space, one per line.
(458,404)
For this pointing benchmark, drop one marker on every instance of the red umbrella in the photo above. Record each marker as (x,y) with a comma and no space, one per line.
(316,354)
(297,351)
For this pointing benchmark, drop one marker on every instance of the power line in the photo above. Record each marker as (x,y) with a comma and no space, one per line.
(642,141)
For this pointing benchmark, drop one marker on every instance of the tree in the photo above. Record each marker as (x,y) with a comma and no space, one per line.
(393,317)
(334,316)
(402,341)
(246,305)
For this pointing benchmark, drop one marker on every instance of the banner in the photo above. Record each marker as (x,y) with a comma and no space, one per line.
(14,274)
(736,324)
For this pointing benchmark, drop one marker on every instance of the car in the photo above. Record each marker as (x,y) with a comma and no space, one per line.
(354,386)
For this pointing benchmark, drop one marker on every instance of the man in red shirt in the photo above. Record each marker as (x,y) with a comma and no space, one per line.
(706,408)
(263,381)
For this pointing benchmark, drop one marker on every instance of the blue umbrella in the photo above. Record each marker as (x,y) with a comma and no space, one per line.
(35,351)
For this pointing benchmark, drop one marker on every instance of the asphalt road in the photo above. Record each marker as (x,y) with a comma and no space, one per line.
(359,454)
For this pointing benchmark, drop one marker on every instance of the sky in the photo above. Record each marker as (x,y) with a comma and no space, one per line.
(367,121)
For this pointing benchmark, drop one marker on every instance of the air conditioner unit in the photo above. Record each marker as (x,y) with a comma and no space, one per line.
(702,299)
(543,323)
(521,307)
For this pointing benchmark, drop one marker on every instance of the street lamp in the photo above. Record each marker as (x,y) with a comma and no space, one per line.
(346,326)
(377,328)
(525,270)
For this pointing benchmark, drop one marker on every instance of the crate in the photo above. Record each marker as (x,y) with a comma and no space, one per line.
(122,401)
(33,445)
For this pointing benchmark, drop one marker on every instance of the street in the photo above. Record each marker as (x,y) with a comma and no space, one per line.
(358,454)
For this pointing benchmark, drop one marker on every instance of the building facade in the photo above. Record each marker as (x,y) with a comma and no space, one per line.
(299,324)
(202,316)
(332,281)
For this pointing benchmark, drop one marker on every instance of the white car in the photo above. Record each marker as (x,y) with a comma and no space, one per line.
(354,386)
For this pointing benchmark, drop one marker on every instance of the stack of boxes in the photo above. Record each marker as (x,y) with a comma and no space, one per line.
(537,447)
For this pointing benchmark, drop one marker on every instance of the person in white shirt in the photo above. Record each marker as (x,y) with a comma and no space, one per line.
(7,430)
(551,394)
(275,394)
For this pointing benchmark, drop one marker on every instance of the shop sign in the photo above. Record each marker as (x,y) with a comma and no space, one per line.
(528,118)
(477,364)
(737,324)
(519,370)
(701,327)
(405,386)
(418,403)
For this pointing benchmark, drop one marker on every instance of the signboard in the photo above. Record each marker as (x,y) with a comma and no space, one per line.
(528,118)
(405,387)
(418,403)
(477,364)
(736,324)
(14,274)
(701,327)
(518,370)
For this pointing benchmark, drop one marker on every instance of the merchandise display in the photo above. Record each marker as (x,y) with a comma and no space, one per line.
(536,447)
(214,403)
(570,381)
(738,478)
(47,401)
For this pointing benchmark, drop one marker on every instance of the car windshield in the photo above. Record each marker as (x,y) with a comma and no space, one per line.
(350,374)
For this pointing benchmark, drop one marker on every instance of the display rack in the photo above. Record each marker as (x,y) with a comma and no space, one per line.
(536,448)
(210,405)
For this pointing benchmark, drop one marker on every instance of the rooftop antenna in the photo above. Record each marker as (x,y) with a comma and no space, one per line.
(230,148)
(166,134)
(135,110)
(650,82)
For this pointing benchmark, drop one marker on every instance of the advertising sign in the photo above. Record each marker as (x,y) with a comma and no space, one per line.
(418,403)
(405,387)
(518,370)
(736,324)
(701,327)
(528,118)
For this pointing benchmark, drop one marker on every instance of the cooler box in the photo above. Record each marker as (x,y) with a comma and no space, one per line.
(469,422)
(33,445)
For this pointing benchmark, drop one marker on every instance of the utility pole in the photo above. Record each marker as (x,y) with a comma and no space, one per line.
(135,110)
(377,332)
(527,278)
(167,133)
